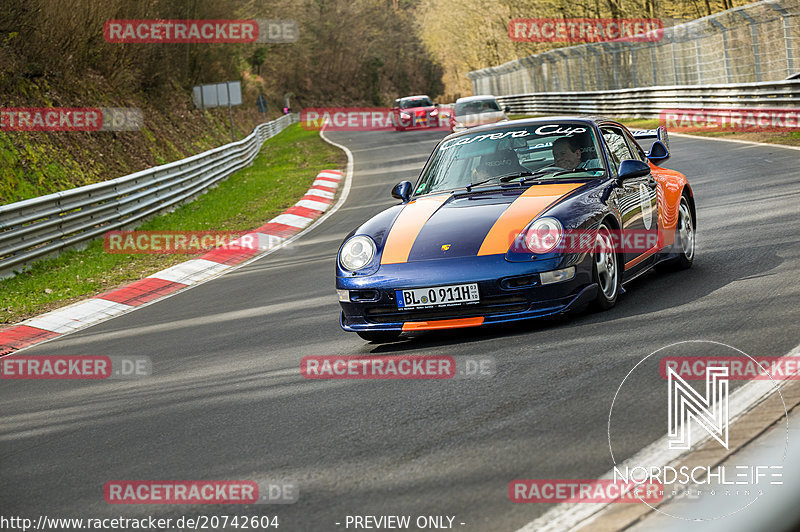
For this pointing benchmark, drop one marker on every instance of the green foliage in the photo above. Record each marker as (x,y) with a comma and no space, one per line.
(280,175)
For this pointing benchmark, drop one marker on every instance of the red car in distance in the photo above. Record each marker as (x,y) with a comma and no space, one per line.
(418,112)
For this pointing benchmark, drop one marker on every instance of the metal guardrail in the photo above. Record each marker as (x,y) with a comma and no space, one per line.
(44,226)
(648,102)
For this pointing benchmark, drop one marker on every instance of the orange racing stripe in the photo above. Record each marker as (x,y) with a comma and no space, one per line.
(641,257)
(520,213)
(442,324)
(407,226)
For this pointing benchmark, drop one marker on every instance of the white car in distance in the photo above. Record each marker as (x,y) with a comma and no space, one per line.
(474,111)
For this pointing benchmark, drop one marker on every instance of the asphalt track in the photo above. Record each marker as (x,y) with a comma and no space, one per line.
(227,401)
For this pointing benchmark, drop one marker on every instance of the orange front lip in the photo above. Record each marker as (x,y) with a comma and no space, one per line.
(442,324)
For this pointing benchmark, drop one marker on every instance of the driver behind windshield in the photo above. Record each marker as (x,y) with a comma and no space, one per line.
(497,164)
(567,153)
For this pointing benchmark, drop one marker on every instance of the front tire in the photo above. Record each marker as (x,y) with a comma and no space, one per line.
(379,337)
(605,269)
(684,239)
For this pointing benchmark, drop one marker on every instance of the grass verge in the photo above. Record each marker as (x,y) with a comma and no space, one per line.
(787,138)
(280,175)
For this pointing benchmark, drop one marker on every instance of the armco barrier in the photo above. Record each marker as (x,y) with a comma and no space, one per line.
(648,102)
(44,226)
(275,233)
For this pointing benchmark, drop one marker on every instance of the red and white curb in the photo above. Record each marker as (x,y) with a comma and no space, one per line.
(311,206)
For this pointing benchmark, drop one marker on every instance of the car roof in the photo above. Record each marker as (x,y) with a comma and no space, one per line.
(414,97)
(476,98)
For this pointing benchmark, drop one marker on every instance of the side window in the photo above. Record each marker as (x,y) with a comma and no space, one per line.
(638,152)
(618,149)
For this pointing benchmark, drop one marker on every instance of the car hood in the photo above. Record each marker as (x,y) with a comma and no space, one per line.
(463,224)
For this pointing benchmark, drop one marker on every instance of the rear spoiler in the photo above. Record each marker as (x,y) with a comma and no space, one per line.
(659,133)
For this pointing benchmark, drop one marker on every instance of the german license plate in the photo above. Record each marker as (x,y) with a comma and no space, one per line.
(437,296)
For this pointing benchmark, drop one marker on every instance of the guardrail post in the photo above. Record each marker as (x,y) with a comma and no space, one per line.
(674,61)
(653,64)
(717,24)
(563,56)
(754,36)
(614,64)
(787,35)
(692,31)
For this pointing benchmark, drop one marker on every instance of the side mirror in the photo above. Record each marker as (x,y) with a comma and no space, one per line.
(658,152)
(630,168)
(507,109)
(435,104)
(402,191)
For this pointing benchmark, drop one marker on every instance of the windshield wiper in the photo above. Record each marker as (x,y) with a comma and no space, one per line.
(578,170)
(501,178)
(469,187)
(508,177)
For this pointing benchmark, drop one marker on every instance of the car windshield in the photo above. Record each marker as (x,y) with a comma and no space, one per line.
(415,102)
(513,154)
(476,107)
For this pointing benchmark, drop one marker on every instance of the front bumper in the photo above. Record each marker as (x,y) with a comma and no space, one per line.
(509,292)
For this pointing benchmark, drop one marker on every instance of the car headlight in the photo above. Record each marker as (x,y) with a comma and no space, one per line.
(405,116)
(543,235)
(434,112)
(357,253)
(555,276)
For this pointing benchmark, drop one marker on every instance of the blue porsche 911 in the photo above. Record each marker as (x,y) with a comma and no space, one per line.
(513,221)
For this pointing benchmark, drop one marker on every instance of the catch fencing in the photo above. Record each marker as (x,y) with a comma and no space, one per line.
(753,43)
